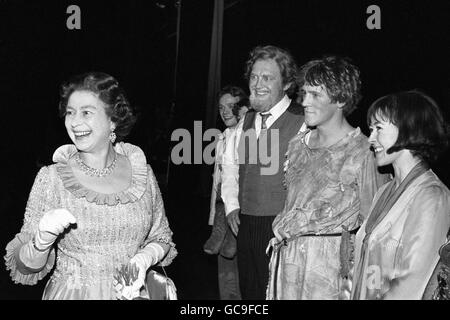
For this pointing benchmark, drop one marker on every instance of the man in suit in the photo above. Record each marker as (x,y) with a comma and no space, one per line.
(252,178)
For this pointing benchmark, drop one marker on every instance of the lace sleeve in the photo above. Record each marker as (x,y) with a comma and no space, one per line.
(160,230)
(41,199)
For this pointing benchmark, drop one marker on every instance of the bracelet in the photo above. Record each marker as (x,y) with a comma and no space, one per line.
(33,241)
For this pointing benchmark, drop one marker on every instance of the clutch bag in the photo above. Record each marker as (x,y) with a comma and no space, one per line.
(159,286)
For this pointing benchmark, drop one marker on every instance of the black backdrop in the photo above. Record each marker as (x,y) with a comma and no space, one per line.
(135,41)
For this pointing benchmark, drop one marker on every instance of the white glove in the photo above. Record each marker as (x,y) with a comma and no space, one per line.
(51,225)
(144,259)
(34,254)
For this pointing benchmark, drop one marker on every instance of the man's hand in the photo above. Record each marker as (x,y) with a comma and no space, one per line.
(233,221)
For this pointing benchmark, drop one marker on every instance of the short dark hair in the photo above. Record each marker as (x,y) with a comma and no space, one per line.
(283,58)
(421,126)
(108,90)
(238,92)
(340,78)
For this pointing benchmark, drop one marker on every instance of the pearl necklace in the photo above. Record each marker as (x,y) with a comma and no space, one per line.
(96,172)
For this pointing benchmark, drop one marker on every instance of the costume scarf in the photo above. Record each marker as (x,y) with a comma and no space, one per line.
(380,210)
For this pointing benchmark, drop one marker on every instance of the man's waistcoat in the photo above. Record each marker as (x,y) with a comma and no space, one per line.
(261,190)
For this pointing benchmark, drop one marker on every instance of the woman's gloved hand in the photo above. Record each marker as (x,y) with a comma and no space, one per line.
(144,259)
(50,226)
(34,253)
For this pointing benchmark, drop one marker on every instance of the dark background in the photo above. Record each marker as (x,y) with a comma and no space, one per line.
(135,41)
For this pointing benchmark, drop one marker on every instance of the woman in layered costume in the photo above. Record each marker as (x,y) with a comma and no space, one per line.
(331,178)
(398,247)
(97,208)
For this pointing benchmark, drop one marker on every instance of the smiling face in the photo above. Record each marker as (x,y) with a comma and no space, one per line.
(266,85)
(226,104)
(383,135)
(86,121)
(319,110)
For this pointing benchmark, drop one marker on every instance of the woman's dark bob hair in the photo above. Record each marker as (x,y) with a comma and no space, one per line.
(107,90)
(421,126)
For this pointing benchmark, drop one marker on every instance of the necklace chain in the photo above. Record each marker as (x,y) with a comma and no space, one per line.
(96,172)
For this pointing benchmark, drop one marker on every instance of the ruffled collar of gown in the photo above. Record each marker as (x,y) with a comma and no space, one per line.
(342,142)
(134,191)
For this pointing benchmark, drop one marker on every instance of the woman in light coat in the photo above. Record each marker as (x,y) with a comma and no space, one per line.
(397,246)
